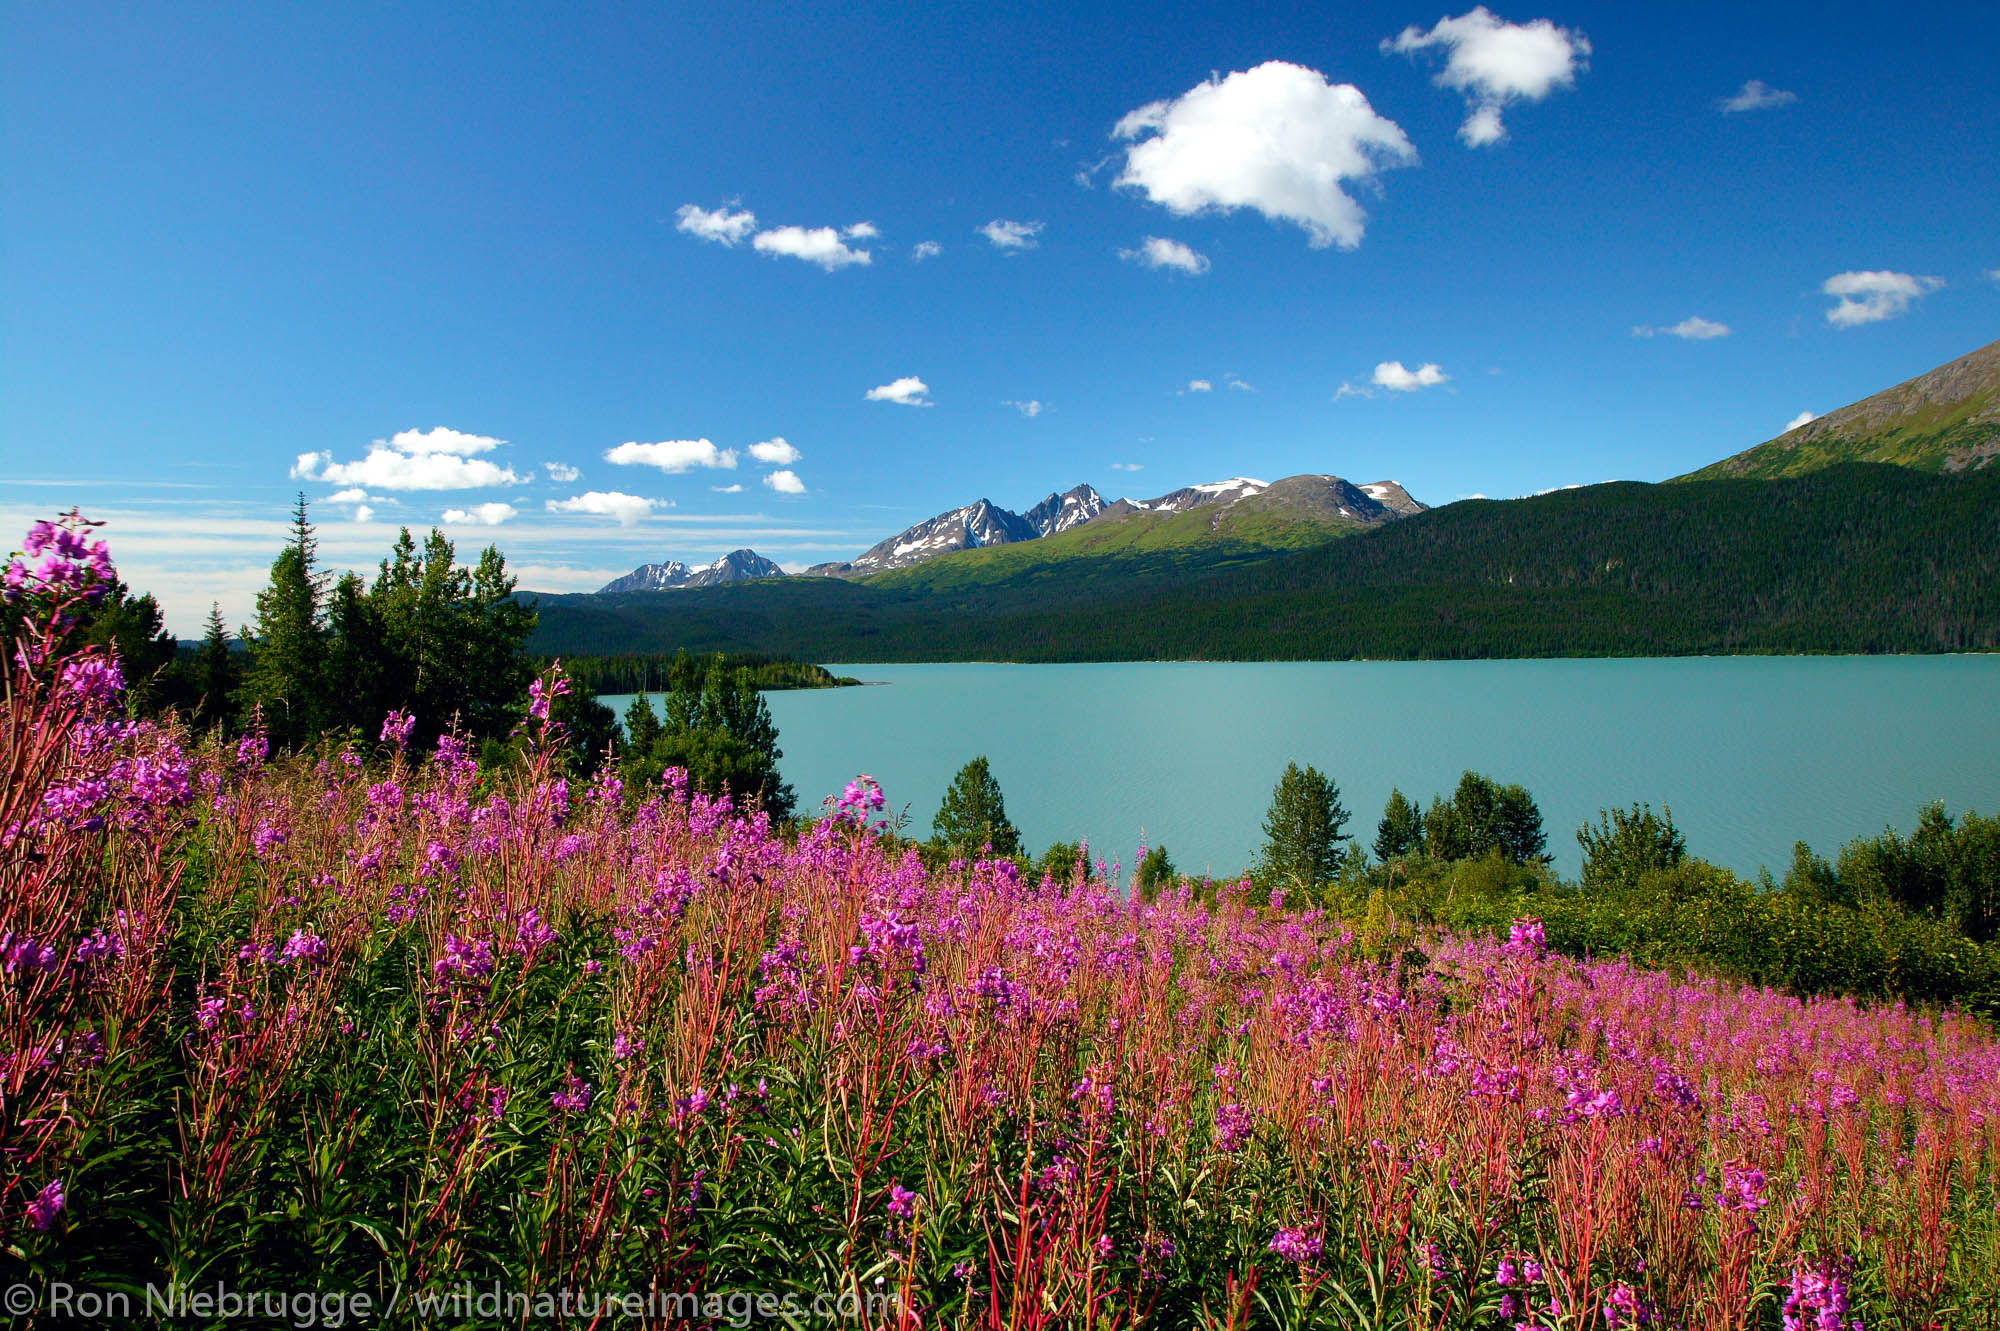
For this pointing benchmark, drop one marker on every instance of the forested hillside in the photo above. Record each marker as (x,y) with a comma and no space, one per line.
(1852,558)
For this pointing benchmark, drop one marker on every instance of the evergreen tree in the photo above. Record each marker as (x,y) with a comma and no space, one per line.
(288,642)
(1483,816)
(1156,871)
(1401,831)
(718,727)
(1518,824)
(973,815)
(1302,828)
(215,678)
(642,725)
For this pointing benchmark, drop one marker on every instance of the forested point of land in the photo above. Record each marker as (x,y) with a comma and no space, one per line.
(1858,558)
(654,672)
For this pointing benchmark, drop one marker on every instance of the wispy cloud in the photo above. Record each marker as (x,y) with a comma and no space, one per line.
(1159,252)
(1006,235)
(1494,62)
(735,489)
(561,471)
(1872,296)
(908,391)
(1755,95)
(1693,329)
(1200,386)
(1031,408)
(1237,384)
(1128,466)
(673,455)
(1277,138)
(925,249)
(721,226)
(1798,420)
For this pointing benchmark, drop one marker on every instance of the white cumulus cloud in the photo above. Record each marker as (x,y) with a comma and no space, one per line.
(736,489)
(1159,252)
(720,226)
(1494,62)
(1799,420)
(561,471)
(909,391)
(626,509)
(821,244)
(349,496)
(1694,328)
(1756,95)
(775,451)
(436,459)
(363,513)
(673,455)
(1031,408)
(1006,235)
(1391,375)
(1870,297)
(1199,386)
(481,515)
(1277,138)
(925,249)
(786,482)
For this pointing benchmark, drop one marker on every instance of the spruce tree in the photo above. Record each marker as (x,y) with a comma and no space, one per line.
(973,815)
(288,641)
(1401,831)
(214,673)
(1302,828)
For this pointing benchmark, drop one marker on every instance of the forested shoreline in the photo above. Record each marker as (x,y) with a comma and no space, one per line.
(1858,558)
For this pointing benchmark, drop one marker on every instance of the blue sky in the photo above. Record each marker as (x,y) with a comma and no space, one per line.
(351,249)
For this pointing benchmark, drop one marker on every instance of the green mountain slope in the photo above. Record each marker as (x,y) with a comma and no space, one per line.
(1945,421)
(1120,554)
(1851,558)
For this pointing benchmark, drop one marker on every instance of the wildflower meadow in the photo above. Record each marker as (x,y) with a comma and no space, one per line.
(360,1019)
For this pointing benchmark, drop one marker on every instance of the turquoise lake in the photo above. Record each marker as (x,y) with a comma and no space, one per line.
(1751,753)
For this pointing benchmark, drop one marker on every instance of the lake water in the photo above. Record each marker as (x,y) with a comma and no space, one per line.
(1751,753)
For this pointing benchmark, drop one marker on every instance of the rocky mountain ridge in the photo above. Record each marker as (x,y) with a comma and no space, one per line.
(1316,498)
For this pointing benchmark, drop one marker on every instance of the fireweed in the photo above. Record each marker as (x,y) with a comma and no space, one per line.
(351,1019)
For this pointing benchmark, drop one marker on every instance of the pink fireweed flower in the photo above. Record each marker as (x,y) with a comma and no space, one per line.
(96,681)
(1527,938)
(47,1205)
(1817,1297)
(1300,1245)
(397,728)
(1742,1189)
(303,949)
(902,1202)
(1623,1308)
(573,1099)
(539,698)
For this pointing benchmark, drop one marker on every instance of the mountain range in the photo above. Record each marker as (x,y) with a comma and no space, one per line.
(736,566)
(1321,506)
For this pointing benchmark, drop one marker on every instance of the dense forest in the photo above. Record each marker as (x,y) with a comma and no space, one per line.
(643,672)
(1855,558)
